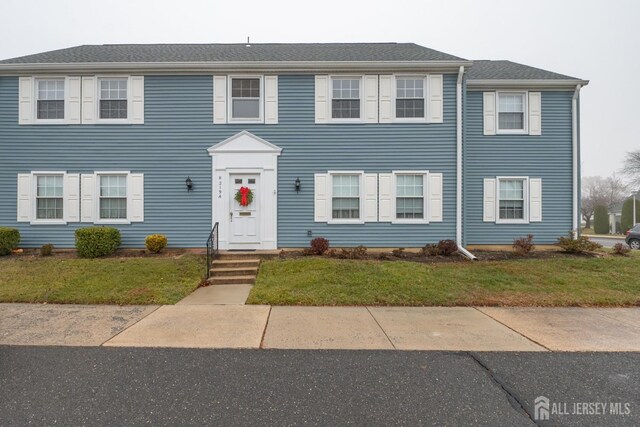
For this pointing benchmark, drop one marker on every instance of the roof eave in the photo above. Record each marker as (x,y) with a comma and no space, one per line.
(273,66)
(519,83)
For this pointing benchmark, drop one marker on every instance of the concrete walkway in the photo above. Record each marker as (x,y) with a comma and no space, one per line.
(193,325)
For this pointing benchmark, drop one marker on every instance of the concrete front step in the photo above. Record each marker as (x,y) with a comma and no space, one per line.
(232,280)
(231,263)
(234,271)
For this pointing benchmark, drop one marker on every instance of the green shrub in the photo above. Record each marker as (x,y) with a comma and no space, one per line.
(577,246)
(155,243)
(626,221)
(93,242)
(601,220)
(46,250)
(9,239)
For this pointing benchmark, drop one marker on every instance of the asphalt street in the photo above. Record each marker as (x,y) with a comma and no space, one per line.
(607,243)
(122,386)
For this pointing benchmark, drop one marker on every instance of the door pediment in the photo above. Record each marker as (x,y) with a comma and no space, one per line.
(244,142)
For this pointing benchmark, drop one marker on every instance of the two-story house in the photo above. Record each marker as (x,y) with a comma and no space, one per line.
(379,144)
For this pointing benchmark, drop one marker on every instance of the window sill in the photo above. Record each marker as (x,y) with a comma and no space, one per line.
(113,122)
(48,222)
(247,121)
(412,120)
(409,221)
(112,222)
(51,122)
(345,221)
(512,132)
(345,121)
(512,221)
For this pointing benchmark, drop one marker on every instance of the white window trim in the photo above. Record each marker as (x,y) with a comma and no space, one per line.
(34,198)
(97,99)
(425,94)
(360,220)
(425,197)
(525,113)
(525,195)
(230,78)
(360,78)
(62,121)
(100,221)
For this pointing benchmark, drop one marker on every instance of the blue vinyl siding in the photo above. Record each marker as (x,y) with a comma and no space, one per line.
(172,144)
(548,156)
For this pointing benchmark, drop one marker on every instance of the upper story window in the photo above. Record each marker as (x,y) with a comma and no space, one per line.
(410,98)
(113,197)
(511,199)
(345,203)
(246,99)
(511,112)
(113,96)
(49,197)
(345,98)
(50,99)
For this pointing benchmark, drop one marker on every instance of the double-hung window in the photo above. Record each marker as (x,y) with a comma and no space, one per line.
(511,112)
(410,98)
(113,96)
(345,202)
(410,197)
(113,197)
(345,97)
(246,99)
(511,199)
(49,197)
(50,99)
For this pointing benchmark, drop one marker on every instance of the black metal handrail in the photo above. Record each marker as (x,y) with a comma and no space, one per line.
(212,248)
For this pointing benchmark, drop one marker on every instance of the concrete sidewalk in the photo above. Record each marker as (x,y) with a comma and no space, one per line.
(402,328)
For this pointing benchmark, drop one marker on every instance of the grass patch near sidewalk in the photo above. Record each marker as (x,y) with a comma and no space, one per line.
(131,280)
(568,281)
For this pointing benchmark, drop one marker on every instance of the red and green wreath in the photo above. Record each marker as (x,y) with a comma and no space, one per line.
(244,196)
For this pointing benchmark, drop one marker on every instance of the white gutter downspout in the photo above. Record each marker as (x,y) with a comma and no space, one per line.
(461,249)
(574,135)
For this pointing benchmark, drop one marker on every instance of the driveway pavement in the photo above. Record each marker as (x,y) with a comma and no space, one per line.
(383,328)
(607,241)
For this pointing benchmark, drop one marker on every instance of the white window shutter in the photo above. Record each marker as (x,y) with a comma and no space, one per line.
(435,94)
(371,99)
(321,197)
(136,197)
(26,101)
(489,112)
(73,101)
(71,201)
(322,99)
(535,200)
(489,200)
(271,99)
(88,197)
(220,99)
(535,113)
(137,100)
(434,187)
(89,103)
(386,212)
(387,86)
(370,197)
(25,196)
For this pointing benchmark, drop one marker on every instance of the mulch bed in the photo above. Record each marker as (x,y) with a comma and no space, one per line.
(120,253)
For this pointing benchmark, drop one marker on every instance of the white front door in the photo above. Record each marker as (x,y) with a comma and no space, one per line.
(244,221)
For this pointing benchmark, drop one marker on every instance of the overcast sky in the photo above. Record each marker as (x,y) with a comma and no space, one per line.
(594,40)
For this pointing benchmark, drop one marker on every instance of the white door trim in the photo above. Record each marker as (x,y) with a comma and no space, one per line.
(245,153)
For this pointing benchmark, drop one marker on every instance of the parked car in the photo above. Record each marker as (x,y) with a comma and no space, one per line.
(633,237)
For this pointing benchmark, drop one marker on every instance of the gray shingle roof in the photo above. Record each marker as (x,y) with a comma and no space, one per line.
(159,53)
(507,70)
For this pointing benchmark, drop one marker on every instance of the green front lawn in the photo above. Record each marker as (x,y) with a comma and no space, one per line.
(565,281)
(146,280)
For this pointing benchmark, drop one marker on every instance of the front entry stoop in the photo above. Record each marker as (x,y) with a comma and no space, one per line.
(235,268)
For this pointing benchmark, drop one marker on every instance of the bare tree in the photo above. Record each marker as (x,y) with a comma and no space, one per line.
(597,190)
(631,167)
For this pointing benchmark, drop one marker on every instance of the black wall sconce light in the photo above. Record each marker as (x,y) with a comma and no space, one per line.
(297,185)
(189,184)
